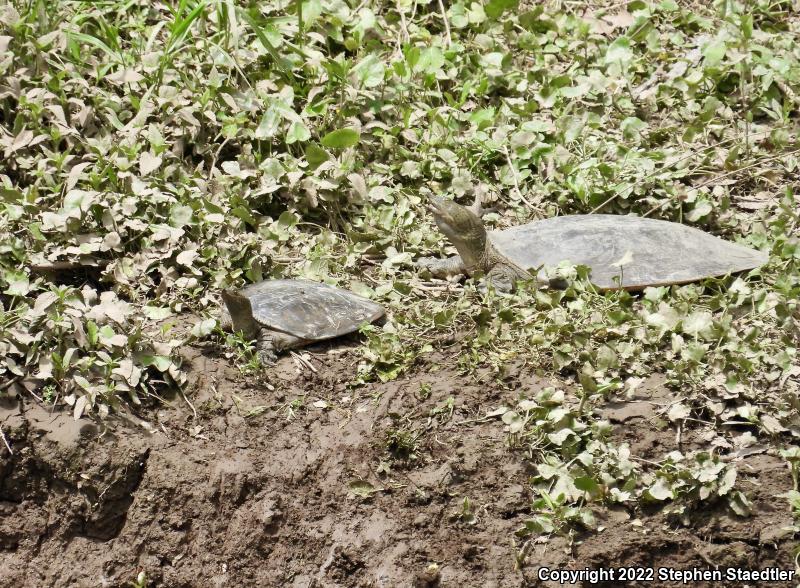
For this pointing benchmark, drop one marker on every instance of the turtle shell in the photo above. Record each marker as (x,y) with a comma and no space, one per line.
(635,251)
(310,310)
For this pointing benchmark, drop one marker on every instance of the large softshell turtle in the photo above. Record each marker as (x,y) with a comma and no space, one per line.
(622,251)
(285,314)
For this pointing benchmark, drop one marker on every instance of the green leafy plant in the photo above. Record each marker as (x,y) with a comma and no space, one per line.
(691,480)
(467,513)
(402,444)
(553,515)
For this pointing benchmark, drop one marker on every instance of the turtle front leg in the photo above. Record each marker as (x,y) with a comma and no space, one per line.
(501,280)
(265,347)
(504,277)
(443,268)
(269,343)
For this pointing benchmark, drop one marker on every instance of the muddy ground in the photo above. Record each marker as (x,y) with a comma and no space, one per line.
(295,486)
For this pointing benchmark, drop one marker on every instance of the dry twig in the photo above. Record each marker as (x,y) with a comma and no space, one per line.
(446,24)
(8,446)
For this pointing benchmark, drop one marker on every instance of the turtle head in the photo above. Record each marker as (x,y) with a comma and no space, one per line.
(462,227)
(241,312)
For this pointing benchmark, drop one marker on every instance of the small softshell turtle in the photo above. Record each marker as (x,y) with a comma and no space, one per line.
(622,251)
(285,314)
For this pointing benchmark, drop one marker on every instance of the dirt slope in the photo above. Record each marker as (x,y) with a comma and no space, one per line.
(218,498)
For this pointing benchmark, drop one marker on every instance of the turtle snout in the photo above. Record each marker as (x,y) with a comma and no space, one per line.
(436,205)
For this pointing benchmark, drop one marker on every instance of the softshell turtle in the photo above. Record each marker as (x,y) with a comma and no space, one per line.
(622,251)
(285,314)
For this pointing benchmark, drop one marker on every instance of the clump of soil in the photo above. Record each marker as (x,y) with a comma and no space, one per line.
(293,482)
